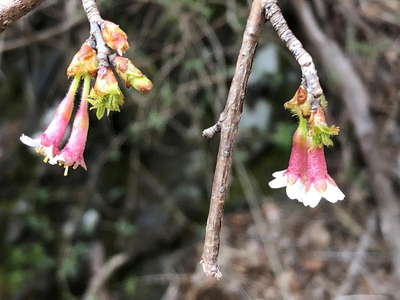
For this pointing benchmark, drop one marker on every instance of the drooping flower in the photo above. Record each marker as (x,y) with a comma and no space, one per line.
(131,75)
(47,143)
(293,177)
(307,179)
(72,153)
(84,62)
(106,94)
(114,37)
(318,182)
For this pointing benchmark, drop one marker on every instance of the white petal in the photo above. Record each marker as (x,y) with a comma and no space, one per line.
(333,193)
(48,151)
(29,141)
(56,159)
(278,182)
(296,190)
(53,160)
(278,173)
(312,197)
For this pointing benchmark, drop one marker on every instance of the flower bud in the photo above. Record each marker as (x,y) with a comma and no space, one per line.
(299,104)
(106,94)
(131,75)
(84,62)
(106,83)
(114,37)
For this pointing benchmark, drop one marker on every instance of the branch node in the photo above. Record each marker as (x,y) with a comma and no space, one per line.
(211,131)
(211,270)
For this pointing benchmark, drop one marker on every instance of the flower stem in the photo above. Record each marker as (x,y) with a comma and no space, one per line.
(74,85)
(303,125)
(85,91)
(86,86)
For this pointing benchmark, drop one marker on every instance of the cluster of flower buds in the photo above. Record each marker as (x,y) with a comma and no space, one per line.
(306,178)
(104,96)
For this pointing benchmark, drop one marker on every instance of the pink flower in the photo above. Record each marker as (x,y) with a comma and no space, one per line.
(306,178)
(47,143)
(293,176)
(318,182)
(72,153)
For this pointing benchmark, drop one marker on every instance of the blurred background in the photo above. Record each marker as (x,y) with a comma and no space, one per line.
(132,226)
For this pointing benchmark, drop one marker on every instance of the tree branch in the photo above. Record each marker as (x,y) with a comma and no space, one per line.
(229,123)
(309,73)
(96,22)
(41,35)
(12,10)
(103,272)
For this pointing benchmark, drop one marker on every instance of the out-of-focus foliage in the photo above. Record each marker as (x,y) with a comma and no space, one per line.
(146,191)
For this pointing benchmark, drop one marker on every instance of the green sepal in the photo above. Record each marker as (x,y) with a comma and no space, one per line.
(324,102)
(321,134)
(303,125)
(105,103)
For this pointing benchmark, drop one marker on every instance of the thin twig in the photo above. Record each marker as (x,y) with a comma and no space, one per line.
(12,10)
(309,73)
(361,253)
(271,251)
(92,11)
(96,21)
(41,35)
(229,129)
(102,275)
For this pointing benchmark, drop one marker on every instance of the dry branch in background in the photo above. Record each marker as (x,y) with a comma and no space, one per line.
(12,10)
(229,123)
(102,271)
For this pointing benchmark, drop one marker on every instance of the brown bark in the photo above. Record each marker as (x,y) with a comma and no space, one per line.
(96,21)
(12,10)
(229,123)
(309,73)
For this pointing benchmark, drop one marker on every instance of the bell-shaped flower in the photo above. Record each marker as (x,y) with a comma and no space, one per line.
(318,182)
(131,75)
(106,94)
(293,177)
(72,153)
(114,37)
(47,143)
(84,61)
